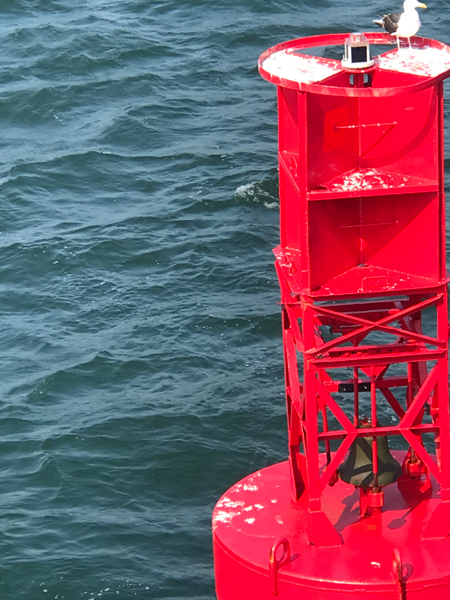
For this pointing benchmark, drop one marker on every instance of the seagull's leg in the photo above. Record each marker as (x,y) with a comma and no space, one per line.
(409,42)
(398,44)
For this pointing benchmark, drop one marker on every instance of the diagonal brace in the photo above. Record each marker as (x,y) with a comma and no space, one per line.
(367,326)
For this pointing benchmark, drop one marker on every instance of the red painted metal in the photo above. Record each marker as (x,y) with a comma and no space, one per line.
(362,272)
(382,557)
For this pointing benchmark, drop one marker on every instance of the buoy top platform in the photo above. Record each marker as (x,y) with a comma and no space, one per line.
(291,65)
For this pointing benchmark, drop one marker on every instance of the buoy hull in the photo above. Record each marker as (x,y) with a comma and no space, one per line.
(258,515)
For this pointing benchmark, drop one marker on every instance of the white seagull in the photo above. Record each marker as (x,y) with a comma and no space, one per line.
(405,24)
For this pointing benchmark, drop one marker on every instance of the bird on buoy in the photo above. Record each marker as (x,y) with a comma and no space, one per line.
(405,24)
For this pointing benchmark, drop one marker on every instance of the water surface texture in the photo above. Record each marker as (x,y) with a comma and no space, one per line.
(140,348)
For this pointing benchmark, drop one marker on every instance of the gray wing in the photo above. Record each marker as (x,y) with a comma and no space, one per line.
(390,22)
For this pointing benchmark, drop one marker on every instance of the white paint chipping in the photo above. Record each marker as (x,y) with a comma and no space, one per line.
(250,521)
(297,67)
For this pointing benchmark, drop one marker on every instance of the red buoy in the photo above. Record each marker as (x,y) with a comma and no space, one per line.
(361,266)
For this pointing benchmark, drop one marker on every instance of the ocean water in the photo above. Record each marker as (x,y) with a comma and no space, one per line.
(140,348)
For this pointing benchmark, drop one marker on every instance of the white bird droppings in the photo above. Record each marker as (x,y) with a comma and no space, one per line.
(361,180)
(227,503)
(287,64)
(250,488)
(428,62)
(298,67)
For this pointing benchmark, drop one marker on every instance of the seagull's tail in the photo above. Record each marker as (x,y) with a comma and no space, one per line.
(378,22)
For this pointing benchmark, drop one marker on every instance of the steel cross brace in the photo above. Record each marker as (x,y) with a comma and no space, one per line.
(381,325)
(410,419)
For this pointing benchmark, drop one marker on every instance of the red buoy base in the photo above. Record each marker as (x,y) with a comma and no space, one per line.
(263,549)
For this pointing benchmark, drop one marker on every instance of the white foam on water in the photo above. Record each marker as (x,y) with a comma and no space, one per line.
(246,189)
(271,205)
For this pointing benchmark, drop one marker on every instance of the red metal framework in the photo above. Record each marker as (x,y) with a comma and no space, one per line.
(362,253)
(361,267)
(311,406)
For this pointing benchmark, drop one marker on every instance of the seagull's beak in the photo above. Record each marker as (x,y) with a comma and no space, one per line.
(422,5)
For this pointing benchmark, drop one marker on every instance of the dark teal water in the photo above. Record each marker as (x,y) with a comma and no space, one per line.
(140,349)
